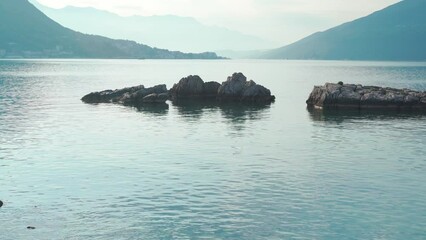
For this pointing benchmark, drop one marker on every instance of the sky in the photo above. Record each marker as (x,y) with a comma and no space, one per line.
(279,21)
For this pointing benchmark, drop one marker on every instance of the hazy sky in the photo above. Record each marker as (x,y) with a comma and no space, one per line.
(281,21)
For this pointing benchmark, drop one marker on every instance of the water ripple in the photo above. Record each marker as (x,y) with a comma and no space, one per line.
(77,171)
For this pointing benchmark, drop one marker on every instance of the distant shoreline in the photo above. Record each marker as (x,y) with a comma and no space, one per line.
(217,59)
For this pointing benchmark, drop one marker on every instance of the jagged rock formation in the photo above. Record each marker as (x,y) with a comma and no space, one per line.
(357,96)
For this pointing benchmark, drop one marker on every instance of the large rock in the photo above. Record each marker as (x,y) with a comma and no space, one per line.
(237,88)
(256,93)
(210,89)
(357,96)
(193,87)
(134,96)
(233,88)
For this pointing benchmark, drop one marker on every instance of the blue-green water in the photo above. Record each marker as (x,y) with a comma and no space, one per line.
(77,171)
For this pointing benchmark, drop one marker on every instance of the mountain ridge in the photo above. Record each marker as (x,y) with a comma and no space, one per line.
(29,33)
(395,33)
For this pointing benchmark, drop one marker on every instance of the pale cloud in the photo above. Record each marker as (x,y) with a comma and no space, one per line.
(282,21)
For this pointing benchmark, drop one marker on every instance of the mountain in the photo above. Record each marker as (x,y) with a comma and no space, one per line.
(396,33)
(172,32)
(27,32)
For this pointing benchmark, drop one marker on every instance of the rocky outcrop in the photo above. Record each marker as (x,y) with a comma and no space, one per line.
(210,89)
(357,96)
(193,87)
(129,96)
(235,89)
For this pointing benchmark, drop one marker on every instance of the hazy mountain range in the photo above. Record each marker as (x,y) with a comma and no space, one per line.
(171,32)
(27,32)
(397,32)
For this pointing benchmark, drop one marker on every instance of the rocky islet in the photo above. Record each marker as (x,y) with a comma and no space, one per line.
(235,89)
(339,95)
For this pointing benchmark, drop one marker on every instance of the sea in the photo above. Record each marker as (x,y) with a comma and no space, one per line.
(207,171)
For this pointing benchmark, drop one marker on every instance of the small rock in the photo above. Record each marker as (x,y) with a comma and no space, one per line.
(132,96)
(155,98)
(31,228)
(1,204)
(108,96)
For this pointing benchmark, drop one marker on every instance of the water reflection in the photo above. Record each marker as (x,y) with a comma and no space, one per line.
(237,115)
(234,114)
(238,112)
(193,109)
(340,116)
(155,109)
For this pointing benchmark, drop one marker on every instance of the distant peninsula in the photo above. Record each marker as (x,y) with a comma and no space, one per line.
(28,33)
(396,33)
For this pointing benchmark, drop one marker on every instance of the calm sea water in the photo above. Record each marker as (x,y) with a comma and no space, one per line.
(77,171)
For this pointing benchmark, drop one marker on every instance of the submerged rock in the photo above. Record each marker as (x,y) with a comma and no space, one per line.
(357,96)
(129,96)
